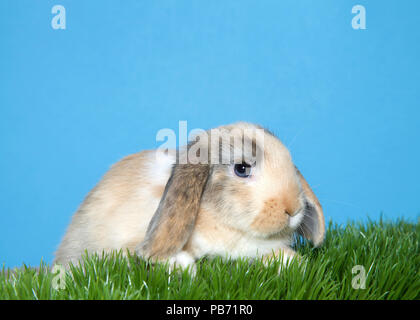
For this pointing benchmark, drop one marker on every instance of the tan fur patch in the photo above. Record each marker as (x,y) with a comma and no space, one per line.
(272,217)
(157,191)
(275,213)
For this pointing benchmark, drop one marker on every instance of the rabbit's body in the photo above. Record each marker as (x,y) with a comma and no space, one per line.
(116,213)
(150,205)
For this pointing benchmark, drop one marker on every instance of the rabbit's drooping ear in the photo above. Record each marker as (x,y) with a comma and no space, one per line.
(313,224)
(174,219)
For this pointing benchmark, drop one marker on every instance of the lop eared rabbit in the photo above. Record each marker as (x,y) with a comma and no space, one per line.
(151,204)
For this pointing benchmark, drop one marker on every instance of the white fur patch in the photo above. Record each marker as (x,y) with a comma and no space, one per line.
(160,167)
(296,220)
(286,261)
(183,260)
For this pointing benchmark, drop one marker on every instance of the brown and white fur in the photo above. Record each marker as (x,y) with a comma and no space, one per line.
(166,211)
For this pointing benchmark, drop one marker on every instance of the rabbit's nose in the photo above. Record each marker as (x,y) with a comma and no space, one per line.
(290,200)
(288,213)
(292,212)
(291,207)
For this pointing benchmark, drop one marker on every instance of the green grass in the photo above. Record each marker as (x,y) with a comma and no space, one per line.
(389,251)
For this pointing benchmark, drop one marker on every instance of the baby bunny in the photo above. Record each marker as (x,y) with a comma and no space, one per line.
(169,206)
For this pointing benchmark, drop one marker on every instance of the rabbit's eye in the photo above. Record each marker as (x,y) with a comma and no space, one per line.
(242,170)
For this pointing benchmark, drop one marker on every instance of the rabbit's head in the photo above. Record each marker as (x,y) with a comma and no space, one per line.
(244,176)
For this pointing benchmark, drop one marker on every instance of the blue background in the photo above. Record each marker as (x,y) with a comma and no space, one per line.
(74,101)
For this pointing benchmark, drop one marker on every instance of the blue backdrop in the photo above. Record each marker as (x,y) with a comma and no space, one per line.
(74,101)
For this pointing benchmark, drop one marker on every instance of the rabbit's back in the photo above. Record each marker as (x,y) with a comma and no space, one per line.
(116,213)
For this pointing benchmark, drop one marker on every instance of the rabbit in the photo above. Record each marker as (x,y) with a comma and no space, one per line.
(151,204)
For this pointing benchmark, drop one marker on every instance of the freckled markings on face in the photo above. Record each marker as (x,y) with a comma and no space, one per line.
(272,218)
